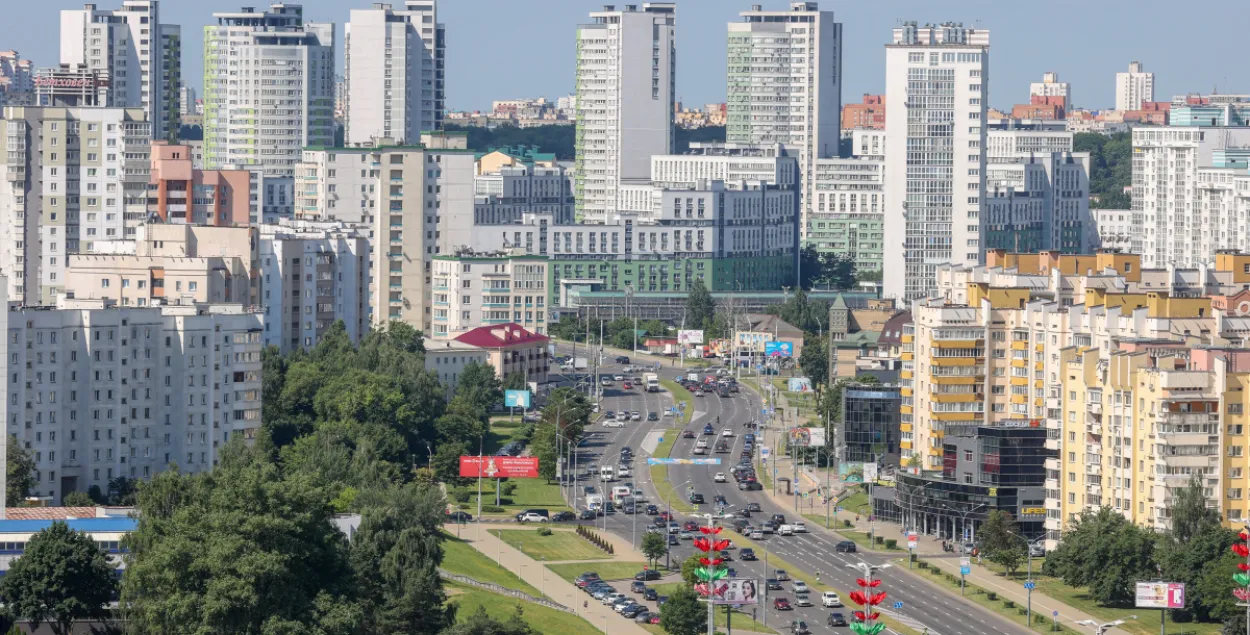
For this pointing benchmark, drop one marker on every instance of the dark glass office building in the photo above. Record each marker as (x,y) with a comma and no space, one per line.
(870,424)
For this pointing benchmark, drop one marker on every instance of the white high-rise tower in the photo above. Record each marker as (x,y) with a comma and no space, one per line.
(784,83)
(143,58)
(268,89)
(1134,87)
(625,72)
(937,85)
(394,81)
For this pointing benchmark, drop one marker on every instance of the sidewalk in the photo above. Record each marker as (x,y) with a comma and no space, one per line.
(552,585)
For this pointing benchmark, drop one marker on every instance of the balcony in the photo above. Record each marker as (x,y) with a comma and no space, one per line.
(1094,407)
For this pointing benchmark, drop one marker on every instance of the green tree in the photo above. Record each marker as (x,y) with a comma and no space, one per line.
(999,532)
(688,567)
(77,499)
(516,380)
(569,410)
(1111,167)
(239,549)
(683,614)
(1185,553)
(19,472)
(62,577)
(543,447)
(814,360)
(1106,553)
(480,386)
(479,623)
(654,546)
(399,543)
(122,491)
(446,462)
(700,307)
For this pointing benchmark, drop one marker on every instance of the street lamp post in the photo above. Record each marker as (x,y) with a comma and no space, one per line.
(1028,583)
(1099,629)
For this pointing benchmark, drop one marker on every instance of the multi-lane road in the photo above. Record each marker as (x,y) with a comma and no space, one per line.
(924,605)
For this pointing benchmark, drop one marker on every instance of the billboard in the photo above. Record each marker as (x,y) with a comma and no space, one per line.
(1160,595)
(499,467)
(799,384)
(516,398)
(735,591)
(686,338)
(850,472)
(807,437)
(779,349)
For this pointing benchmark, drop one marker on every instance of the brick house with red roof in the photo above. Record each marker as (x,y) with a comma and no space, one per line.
(512,349)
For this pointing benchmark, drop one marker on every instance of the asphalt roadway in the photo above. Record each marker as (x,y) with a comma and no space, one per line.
(924,605)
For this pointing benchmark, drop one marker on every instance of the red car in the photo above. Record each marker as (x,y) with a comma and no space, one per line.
(688,434)
(664,516)
(627,386)
(691,526)
(782,604)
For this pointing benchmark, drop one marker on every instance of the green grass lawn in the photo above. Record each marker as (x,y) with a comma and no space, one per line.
(741,620)
(1147,622)
(660,477)
(529,493)
(606,570)
(502,432)
(461,558)
(540,618)
(560,545)
(680,396)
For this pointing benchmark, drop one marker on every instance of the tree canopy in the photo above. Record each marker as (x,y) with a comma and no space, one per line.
(61,578)
(19,472)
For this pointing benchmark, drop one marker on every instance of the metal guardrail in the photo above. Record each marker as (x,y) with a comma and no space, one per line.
(495,588)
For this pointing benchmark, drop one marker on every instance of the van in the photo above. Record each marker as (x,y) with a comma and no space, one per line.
(620,492)
(607,474)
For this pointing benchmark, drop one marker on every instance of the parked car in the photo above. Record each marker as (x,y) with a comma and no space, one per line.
(533,517)
(643,617)
(647,575)
(459,517)
(650,594)
(637,586)
(562,517)
(587,514)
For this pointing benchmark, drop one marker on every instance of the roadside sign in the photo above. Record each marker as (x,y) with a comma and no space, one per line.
(1054,613)
(898,605)
(912,540)
(965,570)
(965,562)
(1030,585)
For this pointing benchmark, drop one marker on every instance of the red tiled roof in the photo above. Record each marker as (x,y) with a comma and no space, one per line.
(48,513)
(501,336)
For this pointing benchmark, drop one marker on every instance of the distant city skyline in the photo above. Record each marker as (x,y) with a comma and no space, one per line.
(502,49)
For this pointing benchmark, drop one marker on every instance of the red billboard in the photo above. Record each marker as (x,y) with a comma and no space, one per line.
(499,466)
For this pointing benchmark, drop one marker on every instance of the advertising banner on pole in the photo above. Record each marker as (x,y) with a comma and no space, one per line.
(688,338)
(870,472)
(807,437)
(799,384)
(779,349)
(735,591)
(1160,595)
(499,467)
(516,398)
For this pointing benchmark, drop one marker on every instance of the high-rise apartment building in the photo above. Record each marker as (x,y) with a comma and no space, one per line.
(98,391)
(313,275)
(17,80)
(394,72)
(626,69)
(1036,192)
(71,178)
(1134,376)
(785,86)
(268,89)
(141,56)
(1133,88)
(188,101)
(936,88)
(848,210)
(1190,195)
(475,289)
(181,193)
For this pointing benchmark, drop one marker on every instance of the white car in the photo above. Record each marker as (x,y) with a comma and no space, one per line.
(719,478)
(701,443)
(622,472)
(635,416)
(534,518)
(727,432)
(830,600)
(799,528)
(785,530)
(799,586)
(756,534)
(613,423)
(619,378)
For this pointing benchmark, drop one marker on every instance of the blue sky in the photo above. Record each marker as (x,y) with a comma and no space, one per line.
(500,49)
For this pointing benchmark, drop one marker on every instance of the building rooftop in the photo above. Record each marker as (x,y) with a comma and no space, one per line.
(48,513)
(500,336)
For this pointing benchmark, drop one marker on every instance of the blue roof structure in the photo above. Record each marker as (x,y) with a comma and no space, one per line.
(77,524)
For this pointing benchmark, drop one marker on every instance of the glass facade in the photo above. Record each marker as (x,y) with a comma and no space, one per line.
(870,423)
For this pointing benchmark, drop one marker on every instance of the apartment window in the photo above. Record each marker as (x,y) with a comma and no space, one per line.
(1235,450)
(1234,408)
